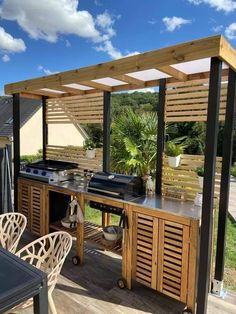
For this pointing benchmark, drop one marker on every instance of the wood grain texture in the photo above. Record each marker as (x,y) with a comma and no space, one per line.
(184,180)
(188,101)
(193,50)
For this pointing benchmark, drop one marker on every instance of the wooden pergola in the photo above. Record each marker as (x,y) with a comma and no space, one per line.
(210,58)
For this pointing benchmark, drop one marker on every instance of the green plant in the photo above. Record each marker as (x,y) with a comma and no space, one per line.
(173,150)
(30,158)
(133,140)
(233,171)
(89,144)
(175,147)
(95,134)
(200,171)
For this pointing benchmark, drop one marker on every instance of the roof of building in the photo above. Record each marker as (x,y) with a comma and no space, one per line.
(28,108)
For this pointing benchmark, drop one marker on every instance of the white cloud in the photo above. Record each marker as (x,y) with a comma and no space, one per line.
(10,44)
(217,28)
(68,44)
(113,52)
(105,23)
(47,19)
(97,3)
(220,5)
(143,90)
(152,21)
(172,23)
(5,58)
(50,19)
(45,71)
(230,31)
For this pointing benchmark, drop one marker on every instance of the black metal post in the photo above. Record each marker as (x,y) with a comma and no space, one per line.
(225,174)
(209,185)
(16,136)
(160,134)
(44,126)
(106,130)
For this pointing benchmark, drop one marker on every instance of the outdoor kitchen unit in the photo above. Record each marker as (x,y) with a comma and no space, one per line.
(167,238)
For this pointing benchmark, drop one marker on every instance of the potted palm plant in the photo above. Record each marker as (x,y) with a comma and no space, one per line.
(200,173)
(174,151)
(90,148)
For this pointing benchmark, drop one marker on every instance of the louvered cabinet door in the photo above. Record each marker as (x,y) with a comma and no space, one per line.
(24,201)
(173,254)
(37,209)
(145,243)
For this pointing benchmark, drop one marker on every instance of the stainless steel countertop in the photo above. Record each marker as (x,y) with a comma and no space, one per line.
(180,208)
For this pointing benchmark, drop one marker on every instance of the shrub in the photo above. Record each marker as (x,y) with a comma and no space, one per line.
(200,171)
(233,171)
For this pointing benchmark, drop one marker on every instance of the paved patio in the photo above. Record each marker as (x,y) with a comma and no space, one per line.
(92,289)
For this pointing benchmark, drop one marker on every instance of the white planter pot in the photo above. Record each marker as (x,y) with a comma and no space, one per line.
(200,180)
(198,200)
(174,161)
(90,153)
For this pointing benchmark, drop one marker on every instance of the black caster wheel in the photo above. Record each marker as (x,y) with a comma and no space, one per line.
(186,312)
(121,283)
(75,260)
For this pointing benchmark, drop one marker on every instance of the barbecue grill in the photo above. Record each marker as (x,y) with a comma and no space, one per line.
(115,186)
(48,170)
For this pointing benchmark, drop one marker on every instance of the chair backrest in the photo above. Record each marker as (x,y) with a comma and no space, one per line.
(12,225)
(48,253)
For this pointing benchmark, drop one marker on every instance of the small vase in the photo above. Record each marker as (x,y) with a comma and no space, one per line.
(200,180)
(198,200)
(90,153)
(174,161)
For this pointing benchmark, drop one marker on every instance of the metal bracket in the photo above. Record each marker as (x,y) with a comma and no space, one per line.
(217,289)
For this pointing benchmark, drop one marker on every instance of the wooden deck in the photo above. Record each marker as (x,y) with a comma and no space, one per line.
(92,289)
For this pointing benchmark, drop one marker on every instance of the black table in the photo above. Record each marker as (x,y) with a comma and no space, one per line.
(20,281)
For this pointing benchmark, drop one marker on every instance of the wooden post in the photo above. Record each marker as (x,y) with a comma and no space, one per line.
(209,185)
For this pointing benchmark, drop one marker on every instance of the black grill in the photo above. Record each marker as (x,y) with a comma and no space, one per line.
(116,185)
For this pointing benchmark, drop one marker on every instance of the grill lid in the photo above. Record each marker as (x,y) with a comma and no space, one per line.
(53,165)
(116,185)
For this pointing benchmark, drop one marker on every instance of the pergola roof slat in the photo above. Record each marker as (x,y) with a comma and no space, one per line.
(197,49)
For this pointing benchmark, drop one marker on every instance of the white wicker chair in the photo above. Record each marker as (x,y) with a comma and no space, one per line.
(48,253)
(12,225)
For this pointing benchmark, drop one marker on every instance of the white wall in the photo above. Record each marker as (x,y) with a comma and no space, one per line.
(31,135)
(64,134)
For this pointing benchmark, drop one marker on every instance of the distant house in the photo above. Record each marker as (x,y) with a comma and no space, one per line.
(31,127)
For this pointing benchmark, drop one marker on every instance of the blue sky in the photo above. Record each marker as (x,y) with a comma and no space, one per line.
(47,36)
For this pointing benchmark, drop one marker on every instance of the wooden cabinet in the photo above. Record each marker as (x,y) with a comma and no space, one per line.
(31,201)
(162,253)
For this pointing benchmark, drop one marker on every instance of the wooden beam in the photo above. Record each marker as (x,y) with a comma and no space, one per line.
(197,49)
(129,79)
(30,96)
(227,53)
(174,73)
(98,86)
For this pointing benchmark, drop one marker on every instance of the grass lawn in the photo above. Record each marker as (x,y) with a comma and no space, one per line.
(95,216)
(230,256)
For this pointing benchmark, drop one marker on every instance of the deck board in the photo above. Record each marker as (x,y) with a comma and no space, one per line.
(92,289)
